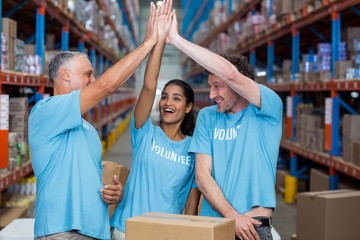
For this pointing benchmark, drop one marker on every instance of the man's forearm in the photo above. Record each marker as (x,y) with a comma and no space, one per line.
(207,59)
(126,67)
(212,192)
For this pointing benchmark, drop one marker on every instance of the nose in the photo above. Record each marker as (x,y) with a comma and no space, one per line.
(212,94)
(93,79)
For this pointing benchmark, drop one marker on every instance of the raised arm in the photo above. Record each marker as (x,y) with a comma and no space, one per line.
(147,94)
(216,65)
(114,77)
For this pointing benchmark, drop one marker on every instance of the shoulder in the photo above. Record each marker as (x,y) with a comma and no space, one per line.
(264,90)
(209,110)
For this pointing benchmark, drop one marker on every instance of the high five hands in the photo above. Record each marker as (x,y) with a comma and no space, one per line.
(160,23)
(165,18)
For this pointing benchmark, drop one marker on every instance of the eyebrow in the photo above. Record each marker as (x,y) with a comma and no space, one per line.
(176,94)
(89,71)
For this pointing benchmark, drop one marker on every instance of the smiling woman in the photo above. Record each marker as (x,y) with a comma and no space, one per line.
(160,153)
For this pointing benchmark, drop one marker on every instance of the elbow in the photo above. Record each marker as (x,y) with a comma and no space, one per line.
(231,74)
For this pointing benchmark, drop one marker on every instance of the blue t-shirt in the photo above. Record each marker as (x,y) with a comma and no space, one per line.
(161,175)
(244,148)
(66,158)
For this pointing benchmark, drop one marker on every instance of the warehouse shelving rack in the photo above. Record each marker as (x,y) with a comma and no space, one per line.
(288,29)
(46,14)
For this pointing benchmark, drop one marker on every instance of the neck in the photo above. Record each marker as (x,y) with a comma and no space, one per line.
(241,105)
(172,131)
(59,90)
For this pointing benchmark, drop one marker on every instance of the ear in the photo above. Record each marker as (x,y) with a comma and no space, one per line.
(189,107)
(64,75)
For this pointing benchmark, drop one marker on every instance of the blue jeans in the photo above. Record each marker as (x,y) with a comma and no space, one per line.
(71,235)
(264,230)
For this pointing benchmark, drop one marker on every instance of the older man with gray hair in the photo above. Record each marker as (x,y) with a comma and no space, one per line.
(66,150)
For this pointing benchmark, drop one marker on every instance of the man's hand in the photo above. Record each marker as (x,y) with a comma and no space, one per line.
(173,32)
(165,17)
(112,194)
(151,34)
(244,227)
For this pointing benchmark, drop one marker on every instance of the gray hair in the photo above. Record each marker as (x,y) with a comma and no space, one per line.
(59,60)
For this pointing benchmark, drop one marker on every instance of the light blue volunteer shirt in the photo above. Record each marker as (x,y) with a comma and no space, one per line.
(66,158)
(161,175)
(244,147)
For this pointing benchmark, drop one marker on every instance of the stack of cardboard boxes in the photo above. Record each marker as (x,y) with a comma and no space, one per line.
(310,129)
(351,138)
(9,31)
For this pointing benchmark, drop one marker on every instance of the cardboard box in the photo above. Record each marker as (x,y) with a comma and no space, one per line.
(313,122)
(319,143)
(30,49)
(19,105)
(355,153)
(9,27)
(161,226)
(341,68)
(109,170)
(319,180)
(349,34)
(351,126)
(347,149)
(297,4)
(9,214)
(328,215)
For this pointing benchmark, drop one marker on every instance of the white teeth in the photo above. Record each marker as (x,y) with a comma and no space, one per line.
(168,110)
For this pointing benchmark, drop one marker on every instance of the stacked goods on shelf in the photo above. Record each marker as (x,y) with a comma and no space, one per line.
(351,138)
(20,56)
(32,60)
(310,127)
(9,29)
(4,52)
(18,130)
(284,74)
(285,7)
(316,67)
(21,193)
(16,56)
(18,117)
(351,68)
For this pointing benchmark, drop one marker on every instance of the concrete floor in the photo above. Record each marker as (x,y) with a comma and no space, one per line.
(284,218)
